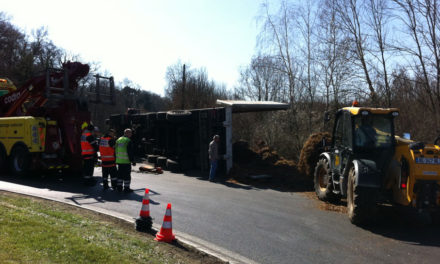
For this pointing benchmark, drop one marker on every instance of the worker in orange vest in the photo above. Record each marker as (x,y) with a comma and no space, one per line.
(89,147)
(107,150)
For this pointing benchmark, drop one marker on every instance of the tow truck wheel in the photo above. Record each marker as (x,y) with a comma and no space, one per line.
(361,201)
(322,183)
(19,160)
(2,157)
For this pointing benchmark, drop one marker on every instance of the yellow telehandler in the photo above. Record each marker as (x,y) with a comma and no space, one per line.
(366,160)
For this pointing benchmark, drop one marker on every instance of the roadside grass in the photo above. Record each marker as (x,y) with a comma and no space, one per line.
(39,231)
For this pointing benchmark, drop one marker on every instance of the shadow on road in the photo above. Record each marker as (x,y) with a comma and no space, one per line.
(220,179)
(282,184)
(406,226)
(73,184)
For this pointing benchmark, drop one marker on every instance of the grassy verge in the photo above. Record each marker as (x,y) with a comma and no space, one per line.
(39,231)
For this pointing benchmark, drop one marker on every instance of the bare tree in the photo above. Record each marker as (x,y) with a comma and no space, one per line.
(200,92)
(46,54)
(276,38)
(261,80)
(334,55)
(350,15)
(378,15)
(422,23)
(306,20)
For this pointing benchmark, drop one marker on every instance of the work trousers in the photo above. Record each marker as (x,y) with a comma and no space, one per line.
(213,169)
(124,175)
(113,172)
(88,168)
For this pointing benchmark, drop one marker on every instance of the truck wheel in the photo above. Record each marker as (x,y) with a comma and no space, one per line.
(151,116)
(186,164)
(161,115)
(20,160)
(2,158)
(361,201)
(152,158)
(323,185)
(161,162)
(177,116)
(173,166)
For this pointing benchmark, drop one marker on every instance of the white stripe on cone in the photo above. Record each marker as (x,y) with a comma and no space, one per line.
(167,225)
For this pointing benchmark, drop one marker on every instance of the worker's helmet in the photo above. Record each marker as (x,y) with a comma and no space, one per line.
(84,125)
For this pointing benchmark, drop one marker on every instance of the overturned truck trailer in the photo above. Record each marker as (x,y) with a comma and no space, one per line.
(179,139)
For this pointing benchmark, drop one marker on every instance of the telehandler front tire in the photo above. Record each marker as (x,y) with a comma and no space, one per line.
(322,182)
(361,201)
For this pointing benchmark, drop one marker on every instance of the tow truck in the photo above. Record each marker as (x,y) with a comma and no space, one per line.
(40,122)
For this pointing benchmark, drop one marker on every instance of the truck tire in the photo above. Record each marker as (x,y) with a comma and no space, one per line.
(361,201)
(177,116)
(186,164)
(161,115)
(2,158)
(151,116)
(161,162)
(152,158)
(322,182)
(19,160)
(173,166)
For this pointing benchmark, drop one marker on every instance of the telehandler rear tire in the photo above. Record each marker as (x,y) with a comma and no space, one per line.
(361,201)
(322,182)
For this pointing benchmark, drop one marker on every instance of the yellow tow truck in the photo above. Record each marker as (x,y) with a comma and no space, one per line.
(40,123)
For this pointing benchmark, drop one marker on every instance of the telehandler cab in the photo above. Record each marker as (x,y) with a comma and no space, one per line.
(366,161)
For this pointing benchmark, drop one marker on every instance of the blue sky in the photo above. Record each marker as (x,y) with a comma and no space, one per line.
(139,39)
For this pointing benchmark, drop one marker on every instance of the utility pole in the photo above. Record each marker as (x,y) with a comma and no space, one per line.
(183,87)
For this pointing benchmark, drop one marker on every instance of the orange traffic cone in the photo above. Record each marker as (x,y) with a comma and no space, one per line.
(166,231)
(144,221)
(145,210)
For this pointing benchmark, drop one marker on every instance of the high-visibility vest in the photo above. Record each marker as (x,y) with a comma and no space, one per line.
(121,150)
(107,152)
(87,150)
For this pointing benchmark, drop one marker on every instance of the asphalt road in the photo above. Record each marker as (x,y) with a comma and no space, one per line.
(249,224)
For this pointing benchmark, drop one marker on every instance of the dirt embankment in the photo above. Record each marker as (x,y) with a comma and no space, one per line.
(262,164)
(262,167)
(265,168)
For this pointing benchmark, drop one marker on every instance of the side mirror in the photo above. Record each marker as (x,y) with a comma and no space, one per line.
(326,116)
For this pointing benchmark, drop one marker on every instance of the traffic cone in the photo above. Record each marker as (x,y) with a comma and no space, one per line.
(144,221)
(166,231)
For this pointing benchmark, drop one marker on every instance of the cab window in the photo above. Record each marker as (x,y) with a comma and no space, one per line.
(347,137)
(339,131)
(373,131)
